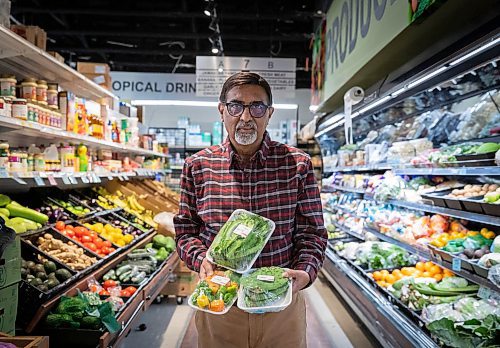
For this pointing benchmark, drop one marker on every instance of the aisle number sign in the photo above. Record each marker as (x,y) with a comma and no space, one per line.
(212,71)
(355,32)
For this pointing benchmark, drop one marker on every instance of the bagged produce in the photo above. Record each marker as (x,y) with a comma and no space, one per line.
(216,293)
(240,241)
(265,290)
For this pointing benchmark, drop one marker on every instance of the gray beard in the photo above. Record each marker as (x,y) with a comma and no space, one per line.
(246,139)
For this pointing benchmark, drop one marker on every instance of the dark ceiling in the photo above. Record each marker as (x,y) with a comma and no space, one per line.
(166,36)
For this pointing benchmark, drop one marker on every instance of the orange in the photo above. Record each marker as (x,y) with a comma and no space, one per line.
(420,266)
(428,266)
(417,274)
(412,270)
(426,274)
(438,276)
(397,273)
(381,283)
(390,279)
(435,270)
(377,275)
(385,273)
(448,273)
(405,271)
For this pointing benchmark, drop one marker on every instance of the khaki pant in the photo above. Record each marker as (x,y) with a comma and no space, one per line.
(239,329)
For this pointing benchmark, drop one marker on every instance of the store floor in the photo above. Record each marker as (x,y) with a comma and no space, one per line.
(329,324)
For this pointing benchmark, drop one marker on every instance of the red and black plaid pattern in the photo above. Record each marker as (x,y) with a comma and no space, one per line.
(278,184)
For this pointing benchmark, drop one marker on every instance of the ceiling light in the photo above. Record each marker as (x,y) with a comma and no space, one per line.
(209,9)
(476,51)
(426,77)
(215,50)
(372,105)
(285,106)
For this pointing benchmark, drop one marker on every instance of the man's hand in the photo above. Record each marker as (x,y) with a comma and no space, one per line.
(206,269)
(300,279)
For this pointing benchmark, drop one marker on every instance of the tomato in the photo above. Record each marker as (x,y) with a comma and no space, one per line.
(70,233)
(94,288)
(90,246)
(125,293)
(78,232)
(86,239)
(104,292)
(69,227)
(111,249)
(106,243)
(98,244)
(91,234)
(131,290)
(60,225)
(110,283)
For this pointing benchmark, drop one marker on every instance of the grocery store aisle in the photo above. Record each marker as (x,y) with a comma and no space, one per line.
(329,324)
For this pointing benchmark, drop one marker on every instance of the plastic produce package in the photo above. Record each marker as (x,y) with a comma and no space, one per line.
(216,294)
(265,290)
(240,241)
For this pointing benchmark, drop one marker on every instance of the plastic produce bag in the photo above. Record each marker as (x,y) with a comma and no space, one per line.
(265,290)
(240,241)
(436,312)
(165,220)
(494,274)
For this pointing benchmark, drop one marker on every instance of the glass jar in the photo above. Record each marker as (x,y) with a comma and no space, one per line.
(39,163)
(4,156)
(31,112)
(15,165)
(52,94)
(29,89)
(3,108)
(8,106)
(20,109)
(41,92)
(8,86)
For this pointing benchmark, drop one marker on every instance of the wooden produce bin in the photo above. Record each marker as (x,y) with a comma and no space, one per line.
(26,341)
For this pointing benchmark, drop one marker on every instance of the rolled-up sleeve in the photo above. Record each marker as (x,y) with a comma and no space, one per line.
(310,238)
(188,224)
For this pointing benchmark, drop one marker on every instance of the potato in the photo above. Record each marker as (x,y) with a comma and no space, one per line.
(468,187)
(493,187)
(455,192)
(482,193)
(486,187)
(477,188)
(469,194)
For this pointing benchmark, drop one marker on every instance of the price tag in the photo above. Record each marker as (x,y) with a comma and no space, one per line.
(84,179)
(90,177)
(72,179)
(39,181)
(43,174)
(456,264)
(242,230)
(266,278)
(4,174)
(97,179)
(52,180)
(484,292)
(110,177)
(125,177)
(66,180)
(120,177)
(220,280)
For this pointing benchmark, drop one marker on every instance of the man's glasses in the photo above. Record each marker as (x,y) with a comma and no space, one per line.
(257,110)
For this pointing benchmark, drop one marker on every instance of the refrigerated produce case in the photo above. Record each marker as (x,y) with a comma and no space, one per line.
(403,163)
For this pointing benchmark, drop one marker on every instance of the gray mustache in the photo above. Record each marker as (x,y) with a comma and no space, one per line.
(246,125)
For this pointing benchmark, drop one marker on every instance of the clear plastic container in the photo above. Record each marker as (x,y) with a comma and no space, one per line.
(240,225)
(212,290)
(276,306)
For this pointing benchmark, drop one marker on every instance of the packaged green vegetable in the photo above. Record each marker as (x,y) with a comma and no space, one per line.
(265,290)
(240,241)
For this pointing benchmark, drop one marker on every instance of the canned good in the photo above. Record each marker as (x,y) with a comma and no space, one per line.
(20,109)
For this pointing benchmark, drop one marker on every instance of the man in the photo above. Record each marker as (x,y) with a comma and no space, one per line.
(249,171)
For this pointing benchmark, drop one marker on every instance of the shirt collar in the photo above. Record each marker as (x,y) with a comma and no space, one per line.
(261,154)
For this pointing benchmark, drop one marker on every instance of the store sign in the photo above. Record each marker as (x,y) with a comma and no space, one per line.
(356,31)
(212,71)
(137,85)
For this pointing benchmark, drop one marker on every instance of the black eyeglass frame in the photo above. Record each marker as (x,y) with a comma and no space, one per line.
(247,106)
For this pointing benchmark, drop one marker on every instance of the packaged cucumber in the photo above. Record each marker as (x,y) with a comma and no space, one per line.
(216,293)
(265,290)
(240,241)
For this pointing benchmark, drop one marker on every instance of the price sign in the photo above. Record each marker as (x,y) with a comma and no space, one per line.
(52,180)
(456,264)
(125,177)
(120,177)
(97,179)
(66,180)
(4,174)
(72,179)
(484,292)
(84,179)
(90,178)
(110,177)
(39,181)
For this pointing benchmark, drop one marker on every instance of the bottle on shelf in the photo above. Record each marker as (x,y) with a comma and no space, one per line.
(82,157)
(52,162)
(4,157)
(33,150)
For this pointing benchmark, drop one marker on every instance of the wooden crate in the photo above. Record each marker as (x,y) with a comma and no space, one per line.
(26,341)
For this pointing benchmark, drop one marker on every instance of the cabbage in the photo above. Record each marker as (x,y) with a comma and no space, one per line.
(451,282)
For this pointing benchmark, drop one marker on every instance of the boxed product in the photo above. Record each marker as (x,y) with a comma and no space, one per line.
(10,264)
(33,34)
(93,68)
(265,290)
(57,56)
(240,241)
(8,308)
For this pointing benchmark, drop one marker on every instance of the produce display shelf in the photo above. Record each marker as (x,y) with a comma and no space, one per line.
(348,231)
(26,60)
(414,250)
(385,320)
(427,255)
(22,132)
(459,214)
(371,168)
(334,188)
(461,171)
